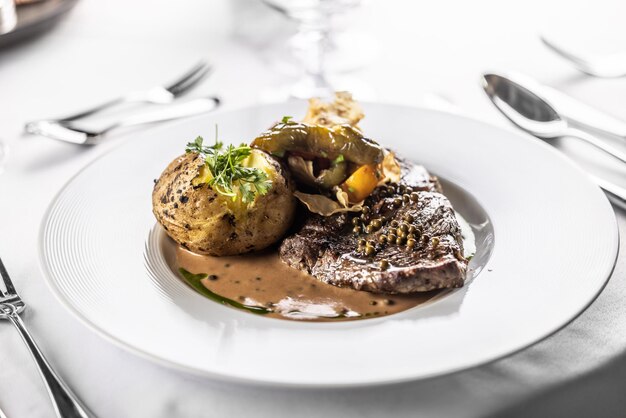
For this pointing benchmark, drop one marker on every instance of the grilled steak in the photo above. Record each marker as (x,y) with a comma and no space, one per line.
(422,248)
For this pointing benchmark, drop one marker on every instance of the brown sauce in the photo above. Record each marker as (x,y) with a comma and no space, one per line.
(263,280)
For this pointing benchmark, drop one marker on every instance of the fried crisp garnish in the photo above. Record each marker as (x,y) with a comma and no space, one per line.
(343,110)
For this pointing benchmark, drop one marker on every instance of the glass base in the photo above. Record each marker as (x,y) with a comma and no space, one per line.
(306,89)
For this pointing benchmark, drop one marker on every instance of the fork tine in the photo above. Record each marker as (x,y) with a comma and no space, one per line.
(191,82)
(192,71)
(7,281)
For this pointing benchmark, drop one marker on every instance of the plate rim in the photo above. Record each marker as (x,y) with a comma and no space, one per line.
(170,364)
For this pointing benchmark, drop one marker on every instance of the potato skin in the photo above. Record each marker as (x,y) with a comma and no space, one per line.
(199,219)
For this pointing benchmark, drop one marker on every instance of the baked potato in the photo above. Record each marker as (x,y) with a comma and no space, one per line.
(207,222)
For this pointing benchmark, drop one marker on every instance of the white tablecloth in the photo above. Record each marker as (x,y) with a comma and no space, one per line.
(107,47)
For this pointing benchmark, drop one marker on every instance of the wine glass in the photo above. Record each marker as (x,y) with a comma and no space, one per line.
(315,38)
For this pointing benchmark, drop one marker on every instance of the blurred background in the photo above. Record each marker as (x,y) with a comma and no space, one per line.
(401,49)
(417,53)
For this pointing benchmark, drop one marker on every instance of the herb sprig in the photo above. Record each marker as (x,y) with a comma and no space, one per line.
(228,173)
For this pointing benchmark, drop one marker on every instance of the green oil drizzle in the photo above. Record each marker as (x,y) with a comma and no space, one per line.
(194,280)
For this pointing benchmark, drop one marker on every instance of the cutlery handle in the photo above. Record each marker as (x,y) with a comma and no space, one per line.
(154,95)
(584,116)
(176,111)
(615,193)
(54,129)
(65,403)
(596,142)
(93,110)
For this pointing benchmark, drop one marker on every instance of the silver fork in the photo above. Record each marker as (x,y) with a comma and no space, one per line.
(606,66)
(65,403)
(72,132)
(156,95)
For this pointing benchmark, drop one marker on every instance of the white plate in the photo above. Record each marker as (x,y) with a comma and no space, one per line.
(555,246)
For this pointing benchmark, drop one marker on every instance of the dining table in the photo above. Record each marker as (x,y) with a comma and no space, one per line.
(425,54)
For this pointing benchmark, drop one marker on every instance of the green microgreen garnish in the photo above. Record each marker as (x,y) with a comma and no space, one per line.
(286,119)
(228,173)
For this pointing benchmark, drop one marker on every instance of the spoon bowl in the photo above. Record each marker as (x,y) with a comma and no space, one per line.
(524,108)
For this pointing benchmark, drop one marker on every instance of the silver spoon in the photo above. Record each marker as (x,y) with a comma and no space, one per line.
(536,116)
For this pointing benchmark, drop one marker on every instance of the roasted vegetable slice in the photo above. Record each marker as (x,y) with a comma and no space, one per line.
(303,171)
(342,141)
(361,183)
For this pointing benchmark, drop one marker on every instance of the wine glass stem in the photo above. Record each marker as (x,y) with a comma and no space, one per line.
(315,60)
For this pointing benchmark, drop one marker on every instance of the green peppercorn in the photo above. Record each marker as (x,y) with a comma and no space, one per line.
(408,218)
(369,229)
(394,224)
(410,243)
(397,202)
(406,198)
(362,242)
(383,264)
(409,189)
(401,233)
(401,240)
(377,224)
(356,221)
(410,236)
(356,229)
(412,229)
(382,239)
(435,241)
(414,197)
(365,210)
(401,188)
(369,250)
(392,238)
(404,227)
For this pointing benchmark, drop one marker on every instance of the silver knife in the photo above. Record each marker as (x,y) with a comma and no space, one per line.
(575,111)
